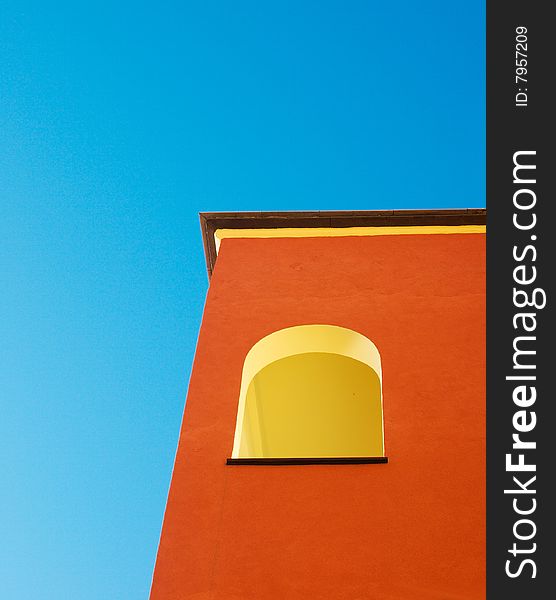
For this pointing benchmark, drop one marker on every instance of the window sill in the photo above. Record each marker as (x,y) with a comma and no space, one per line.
(333,460)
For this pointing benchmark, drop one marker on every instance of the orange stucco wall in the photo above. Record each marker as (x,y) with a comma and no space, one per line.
(413,529)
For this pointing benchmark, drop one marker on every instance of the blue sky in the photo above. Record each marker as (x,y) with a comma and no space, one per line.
(119,122)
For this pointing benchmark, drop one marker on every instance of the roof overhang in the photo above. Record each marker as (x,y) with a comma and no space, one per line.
(214,221)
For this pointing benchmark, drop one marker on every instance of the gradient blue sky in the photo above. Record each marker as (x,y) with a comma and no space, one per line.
(119,122)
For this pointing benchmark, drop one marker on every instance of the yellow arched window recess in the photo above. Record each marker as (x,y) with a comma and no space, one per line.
(311,393)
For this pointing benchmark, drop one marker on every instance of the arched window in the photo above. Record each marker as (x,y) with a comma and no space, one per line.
(311,393)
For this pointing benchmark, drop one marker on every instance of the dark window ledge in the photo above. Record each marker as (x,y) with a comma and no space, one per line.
(333,460)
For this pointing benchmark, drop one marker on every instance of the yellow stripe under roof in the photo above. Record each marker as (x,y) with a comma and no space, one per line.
(306,232)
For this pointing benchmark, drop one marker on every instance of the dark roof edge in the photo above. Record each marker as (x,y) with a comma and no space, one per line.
(211,221)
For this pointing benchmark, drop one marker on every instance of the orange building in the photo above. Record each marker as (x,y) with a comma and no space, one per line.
(333,441)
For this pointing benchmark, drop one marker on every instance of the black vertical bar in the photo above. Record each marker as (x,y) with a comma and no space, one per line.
(520,118)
